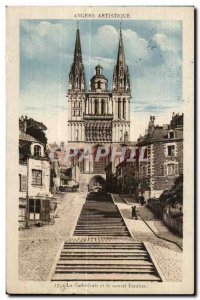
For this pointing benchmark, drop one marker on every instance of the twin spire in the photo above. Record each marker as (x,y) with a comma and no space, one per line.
(121,82)
(77,80)
(77,50)
(121,55)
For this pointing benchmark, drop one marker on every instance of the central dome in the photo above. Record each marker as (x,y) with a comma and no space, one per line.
(99,83)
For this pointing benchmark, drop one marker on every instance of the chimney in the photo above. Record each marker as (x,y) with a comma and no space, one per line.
(151,123)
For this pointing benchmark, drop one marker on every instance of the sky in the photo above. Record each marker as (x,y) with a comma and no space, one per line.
(153,51)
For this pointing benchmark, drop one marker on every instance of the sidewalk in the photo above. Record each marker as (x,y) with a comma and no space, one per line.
(167,255)
(162,230)
(38,246)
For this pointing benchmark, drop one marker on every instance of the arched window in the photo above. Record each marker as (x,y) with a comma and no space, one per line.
(96,110)
(99,84)
(37,150)
(119,109)
(124,109)
(103,111)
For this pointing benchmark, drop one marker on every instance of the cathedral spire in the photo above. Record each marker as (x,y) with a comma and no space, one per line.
(121,74)
(77,73)
(77,50)
(121,56)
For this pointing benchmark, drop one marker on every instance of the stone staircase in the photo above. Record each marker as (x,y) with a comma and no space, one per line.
(100,217)
(102,248)
(110,259)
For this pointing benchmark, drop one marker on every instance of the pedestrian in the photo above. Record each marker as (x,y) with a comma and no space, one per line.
(134,213)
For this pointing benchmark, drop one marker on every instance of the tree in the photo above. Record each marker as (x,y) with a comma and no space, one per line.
(130,184)
(144,185)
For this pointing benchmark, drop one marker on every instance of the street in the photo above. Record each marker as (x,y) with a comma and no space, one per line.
(38,246)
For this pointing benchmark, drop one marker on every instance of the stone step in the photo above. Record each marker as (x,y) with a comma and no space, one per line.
(104,271)
(101,277)
(110,242)
(108,251)
(116,262)
(103,234)
(105,257)
(117,222)
(100,225)
(104,248)
(98,229)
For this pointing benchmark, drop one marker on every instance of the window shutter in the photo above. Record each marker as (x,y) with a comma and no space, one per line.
(176,169)
(23,183)
(165,170)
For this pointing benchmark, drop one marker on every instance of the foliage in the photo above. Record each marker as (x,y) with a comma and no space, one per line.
(169,198)
(175,194)
(144,184)
(24,150)
(130,184)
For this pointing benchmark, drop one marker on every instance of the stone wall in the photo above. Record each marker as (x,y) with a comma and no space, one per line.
(160,181)
(44,166)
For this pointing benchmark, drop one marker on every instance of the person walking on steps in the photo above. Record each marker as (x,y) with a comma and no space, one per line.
(134,213)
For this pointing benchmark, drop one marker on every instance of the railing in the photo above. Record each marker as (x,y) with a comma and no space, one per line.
(158,236)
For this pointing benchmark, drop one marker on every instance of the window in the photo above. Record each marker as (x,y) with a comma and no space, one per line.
(171,150)
(124,109)
(103,107)
(99,84)
(96,107)
(77,104)
(171,135)
(121,136)
(22,183)
(37,177)
(34,209)
(119,109)
(171,169)
(37,150)
(143,171)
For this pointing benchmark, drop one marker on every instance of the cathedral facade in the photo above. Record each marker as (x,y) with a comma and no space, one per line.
(98,115)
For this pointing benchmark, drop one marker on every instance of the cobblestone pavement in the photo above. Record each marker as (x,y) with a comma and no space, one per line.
(167,255)
(38,246)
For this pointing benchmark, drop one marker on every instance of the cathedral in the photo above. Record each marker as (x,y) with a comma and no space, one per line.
(98,115)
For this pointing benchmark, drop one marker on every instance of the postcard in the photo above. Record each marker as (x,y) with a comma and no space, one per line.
(100,150)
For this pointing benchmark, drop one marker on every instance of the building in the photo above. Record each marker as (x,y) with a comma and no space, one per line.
(98,116)
(36,203)
(65,173)
(164,156)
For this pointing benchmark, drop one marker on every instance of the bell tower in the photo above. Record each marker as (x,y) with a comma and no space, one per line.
(76,95)
(98,115)
(77,73)
(121,95)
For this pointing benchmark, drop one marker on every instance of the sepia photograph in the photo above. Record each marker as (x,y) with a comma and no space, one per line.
(100,175)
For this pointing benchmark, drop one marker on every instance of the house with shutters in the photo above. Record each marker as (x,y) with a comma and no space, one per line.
(164,163)
(36,203)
